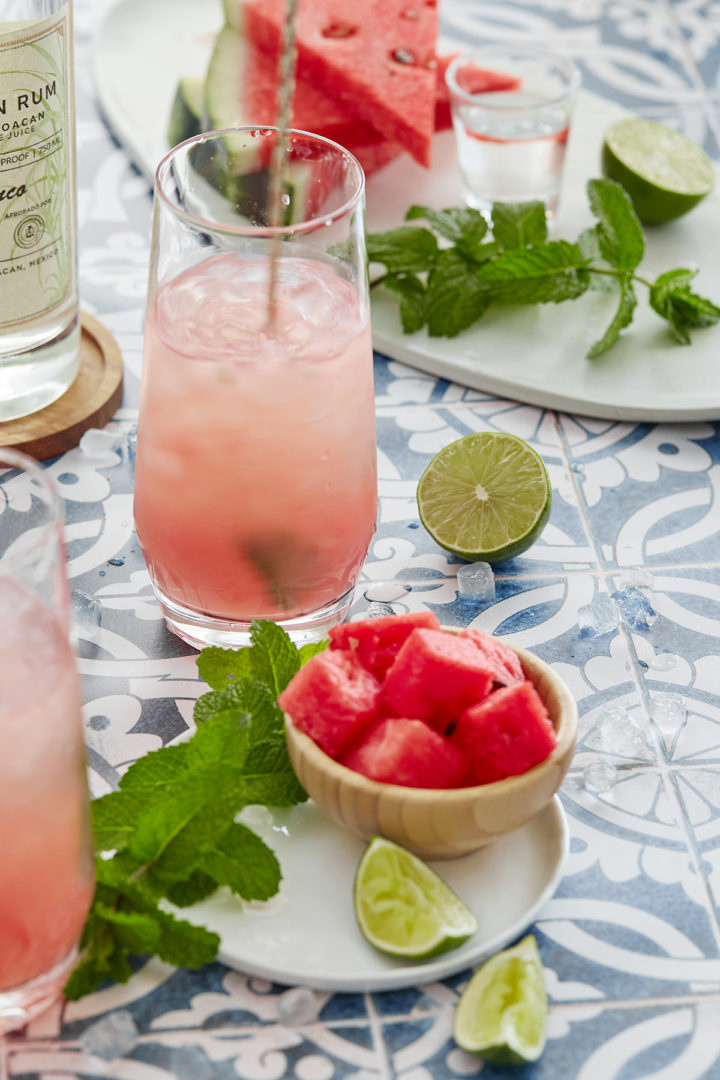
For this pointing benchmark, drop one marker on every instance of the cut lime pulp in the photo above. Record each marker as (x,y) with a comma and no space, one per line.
(485,497)
(502,1012)
(664,173)
(403,908)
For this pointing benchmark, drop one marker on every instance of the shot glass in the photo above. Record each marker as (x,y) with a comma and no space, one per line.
(46,863)
(255,482)
(511,109)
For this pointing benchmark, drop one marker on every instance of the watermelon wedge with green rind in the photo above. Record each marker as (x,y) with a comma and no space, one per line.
(241,89)
(373,58)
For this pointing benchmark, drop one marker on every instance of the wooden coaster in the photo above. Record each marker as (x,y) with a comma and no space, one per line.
(91,401)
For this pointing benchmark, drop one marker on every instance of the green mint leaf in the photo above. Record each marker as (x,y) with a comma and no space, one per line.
(275,658)
(240,860)
(150,775)
(114,815)
(550,272)
(97,959)
(209,788)
(113,821)
(226,703)
(195,888)
(217,667)
(183,944)
(176,941)
(461,225)
(90,972)
(518,225)
(310,649)
(248,698)
(620,233)
(409,292)
(164,840)
(481,253)
(456,297)
(407,250)
(266,716)
(622,318)
(673,299)
(136,931)
(602,275)
(172,823)
(268,776)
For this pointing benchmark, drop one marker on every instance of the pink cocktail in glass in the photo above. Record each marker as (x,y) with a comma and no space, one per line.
(255,484)
(46,866)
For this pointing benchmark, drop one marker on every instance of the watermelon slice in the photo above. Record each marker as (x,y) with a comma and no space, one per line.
(376,642)
(406,752)
(504,661)
(505,735)
(435,676)
(377,59)
(333,699)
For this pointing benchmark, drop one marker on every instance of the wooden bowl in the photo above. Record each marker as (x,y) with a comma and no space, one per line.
(440,824)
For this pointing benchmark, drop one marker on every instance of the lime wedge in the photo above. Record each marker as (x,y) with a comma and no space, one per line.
(403,908)
(485,497)
(502,1012)
(664,173)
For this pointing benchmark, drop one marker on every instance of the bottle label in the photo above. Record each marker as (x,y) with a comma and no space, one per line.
(37,270)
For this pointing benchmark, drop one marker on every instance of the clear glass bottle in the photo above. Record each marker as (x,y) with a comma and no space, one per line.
(39,320)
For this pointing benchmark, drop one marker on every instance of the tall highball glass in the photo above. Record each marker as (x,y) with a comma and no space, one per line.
(256,485)
(46,864)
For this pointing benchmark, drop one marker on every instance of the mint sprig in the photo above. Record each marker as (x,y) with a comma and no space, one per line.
(169,832)
(446,276)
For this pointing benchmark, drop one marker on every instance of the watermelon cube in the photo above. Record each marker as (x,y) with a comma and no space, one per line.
(435,676)
(376,642)
(504,661)
(505,735)
(333,699)
(406,752)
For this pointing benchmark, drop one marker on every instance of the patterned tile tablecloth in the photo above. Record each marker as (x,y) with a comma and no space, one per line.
(630,941)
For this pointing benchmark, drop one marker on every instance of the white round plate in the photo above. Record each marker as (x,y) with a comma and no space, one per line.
(307,936)
(534,354)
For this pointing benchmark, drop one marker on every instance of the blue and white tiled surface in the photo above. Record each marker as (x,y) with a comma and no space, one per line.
(631,940)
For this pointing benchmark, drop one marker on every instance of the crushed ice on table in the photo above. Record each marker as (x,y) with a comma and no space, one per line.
(114,1036)
(476,581)
(191,1063)
(663,662)
(636,577)
(85,613)
(386,591)
(299,1005)
(96,442)
(619,732)
(131,444)
(636,611)
(599,776)
(669,711)
(599,617)
(379,611)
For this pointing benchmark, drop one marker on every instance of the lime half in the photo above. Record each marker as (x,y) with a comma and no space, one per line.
(664,173)
(485,497)
(403,908)
(502,1012)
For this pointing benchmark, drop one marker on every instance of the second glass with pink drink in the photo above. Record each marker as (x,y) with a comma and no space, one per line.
(256,486)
